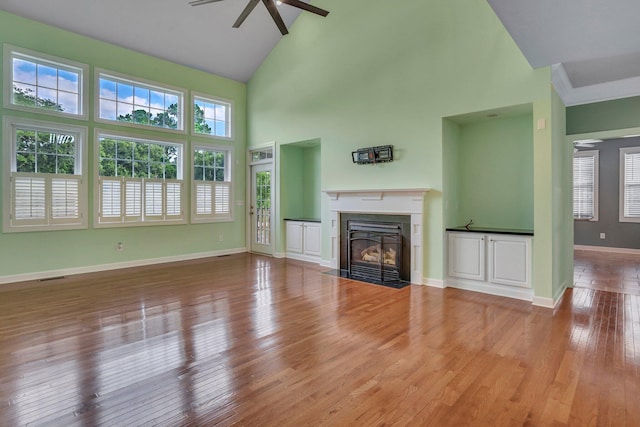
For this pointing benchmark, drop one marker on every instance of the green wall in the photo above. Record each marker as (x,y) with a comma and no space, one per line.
(601,116)
(375,73)
(495,173)
(34,252)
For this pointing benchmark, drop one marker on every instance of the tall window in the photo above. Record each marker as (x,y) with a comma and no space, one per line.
(630,184)
(211,117)
(140,181)
(211,193)
(44,83)
(44,186)
(138,103)
(585,185)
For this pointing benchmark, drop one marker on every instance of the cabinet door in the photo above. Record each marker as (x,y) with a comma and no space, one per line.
(466,255)
(294,237)
(311,239)
(510,260)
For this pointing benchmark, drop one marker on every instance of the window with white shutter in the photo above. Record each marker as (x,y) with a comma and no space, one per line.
(44,187)
(585,185)
(140,181)
(630,184)
(211,193)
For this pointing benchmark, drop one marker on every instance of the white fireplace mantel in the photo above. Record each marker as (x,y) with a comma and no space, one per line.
(408,201)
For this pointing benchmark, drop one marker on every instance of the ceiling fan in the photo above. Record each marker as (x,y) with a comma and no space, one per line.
(271,7)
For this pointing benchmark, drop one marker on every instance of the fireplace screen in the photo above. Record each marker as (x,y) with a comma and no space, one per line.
(375,251)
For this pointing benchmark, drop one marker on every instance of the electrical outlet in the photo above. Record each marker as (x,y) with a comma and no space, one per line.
(120,247)
(221,237)
(602,236)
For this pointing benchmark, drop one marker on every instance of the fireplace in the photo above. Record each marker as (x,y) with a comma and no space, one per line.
(374,248)
(408,203)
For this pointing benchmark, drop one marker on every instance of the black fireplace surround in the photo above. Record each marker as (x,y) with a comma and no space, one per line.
(376,248)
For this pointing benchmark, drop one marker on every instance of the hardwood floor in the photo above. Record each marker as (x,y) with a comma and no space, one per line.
(607,271)
(255,341)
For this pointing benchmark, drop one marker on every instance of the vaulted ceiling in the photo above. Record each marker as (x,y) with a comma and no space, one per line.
(592,45)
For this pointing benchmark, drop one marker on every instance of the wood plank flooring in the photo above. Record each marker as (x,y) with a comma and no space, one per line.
(255,341)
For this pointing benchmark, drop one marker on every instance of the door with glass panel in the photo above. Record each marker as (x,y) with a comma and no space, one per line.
(260,211)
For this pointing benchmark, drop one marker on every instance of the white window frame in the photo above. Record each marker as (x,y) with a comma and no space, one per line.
(49,221)
(139,217)
(147,84)
(595,154)
(215,100)
(622,183)
(215,187)
(11,51)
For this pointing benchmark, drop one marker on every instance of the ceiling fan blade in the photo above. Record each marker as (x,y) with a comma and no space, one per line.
(247,10)
(306,6)
(273,10)
(201,2)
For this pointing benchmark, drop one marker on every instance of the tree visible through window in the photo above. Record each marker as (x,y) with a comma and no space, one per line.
(138,103)
(51,85)
(211,184)
(139,181)
(211,117)
(44,171)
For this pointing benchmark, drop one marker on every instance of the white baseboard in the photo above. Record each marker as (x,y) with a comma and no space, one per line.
(525,294)
(326,264)
(606,249)
(552,302)
(279,255)
(434,283)
(114,266)
(302,257)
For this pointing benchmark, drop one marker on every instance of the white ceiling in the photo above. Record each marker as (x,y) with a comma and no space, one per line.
(593,45)
(200,37)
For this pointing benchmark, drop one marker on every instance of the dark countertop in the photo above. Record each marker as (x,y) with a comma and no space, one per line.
(303,219)
(473,229)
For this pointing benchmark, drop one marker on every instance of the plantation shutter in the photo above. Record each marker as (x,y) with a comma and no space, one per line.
(584,186)
(153,205)
(204,198)
(133,199)
(173,199)
(631,185)
(29,199)
(223,199)
(110,199)
(65,199)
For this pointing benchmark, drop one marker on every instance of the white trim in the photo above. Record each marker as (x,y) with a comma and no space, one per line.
(606,249)
(551,303)
(377,201)
(229,151)
(544,302)
(525,294)
(180,92)
(617,89)
(115,266)
(275,194)
(596,179)
(118,134)
(302,257)
(279,255)
(9,123)
(83,83)
(621,184)
(214,100)
(434,283)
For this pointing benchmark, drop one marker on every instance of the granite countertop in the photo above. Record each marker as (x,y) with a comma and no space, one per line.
(303,219)
(474,229)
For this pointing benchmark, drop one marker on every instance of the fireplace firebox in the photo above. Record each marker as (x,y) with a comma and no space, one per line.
(376,248)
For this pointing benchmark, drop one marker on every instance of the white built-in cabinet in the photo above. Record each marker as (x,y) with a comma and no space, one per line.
(303,240)
(499,264)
